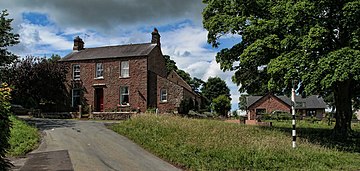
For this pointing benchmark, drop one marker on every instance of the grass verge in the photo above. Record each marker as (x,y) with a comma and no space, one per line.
(23,137)
(215,145)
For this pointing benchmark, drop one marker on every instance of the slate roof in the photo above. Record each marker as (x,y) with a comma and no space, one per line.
(310,102)
(131,50)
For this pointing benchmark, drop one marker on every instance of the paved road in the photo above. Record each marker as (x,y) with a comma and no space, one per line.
(88,145)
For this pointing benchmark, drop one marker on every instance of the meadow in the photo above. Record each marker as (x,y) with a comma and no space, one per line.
(200,144)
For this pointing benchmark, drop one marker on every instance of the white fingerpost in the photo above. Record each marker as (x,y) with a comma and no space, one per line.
(293,117)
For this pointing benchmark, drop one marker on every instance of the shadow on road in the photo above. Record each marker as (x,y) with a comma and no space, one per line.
(324,137)
(48,124)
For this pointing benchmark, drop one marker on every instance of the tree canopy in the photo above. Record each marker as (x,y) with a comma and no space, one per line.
(7,38)
(214,87)
(37,81)
(315,43)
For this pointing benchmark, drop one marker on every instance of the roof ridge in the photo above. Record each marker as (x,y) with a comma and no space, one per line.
(119,45)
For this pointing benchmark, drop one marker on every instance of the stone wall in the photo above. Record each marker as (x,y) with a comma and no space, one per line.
(112,115)
(175,94)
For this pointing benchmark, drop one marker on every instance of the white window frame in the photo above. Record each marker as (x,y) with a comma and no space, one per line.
(99,70)
(124,69)
(124,94)
(76,71)
(163,95)
(75,96)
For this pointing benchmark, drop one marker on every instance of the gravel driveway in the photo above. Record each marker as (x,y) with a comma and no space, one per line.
(88,145)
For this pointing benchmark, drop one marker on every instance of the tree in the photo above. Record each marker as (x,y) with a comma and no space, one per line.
(215,87)
(38,81)
(242,101)
(4,125)
(7,38)
(221,105)
(316,43)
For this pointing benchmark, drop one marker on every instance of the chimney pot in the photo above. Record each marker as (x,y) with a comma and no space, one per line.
(155,37)
(78,44)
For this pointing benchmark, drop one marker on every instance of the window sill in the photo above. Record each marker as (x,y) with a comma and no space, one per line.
(121,106)
(99,78)
(124,77)
(165,101)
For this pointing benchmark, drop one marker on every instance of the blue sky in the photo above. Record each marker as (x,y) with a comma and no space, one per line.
(49,27)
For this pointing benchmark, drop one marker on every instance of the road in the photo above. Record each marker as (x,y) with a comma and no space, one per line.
(88,145)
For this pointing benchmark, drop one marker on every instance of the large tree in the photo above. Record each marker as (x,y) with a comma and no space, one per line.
(315,43)
(7,38)
(38,81)
(214,87)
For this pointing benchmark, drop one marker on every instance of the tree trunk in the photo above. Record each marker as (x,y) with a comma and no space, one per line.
(343,105)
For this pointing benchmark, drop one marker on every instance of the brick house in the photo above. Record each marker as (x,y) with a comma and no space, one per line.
(309,106)
(124,77)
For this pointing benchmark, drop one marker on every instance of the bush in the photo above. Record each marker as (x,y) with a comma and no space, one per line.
(4,125)
(186,105)
(221,105)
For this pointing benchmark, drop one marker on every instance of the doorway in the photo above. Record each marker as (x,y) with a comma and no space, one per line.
(99,100)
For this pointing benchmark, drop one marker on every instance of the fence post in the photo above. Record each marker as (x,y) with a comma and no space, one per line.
(90,112)
(80,112)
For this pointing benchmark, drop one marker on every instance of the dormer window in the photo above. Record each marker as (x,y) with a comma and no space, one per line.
(99,70)
(76,72)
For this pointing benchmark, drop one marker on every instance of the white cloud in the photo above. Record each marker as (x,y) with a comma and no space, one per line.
(121,22)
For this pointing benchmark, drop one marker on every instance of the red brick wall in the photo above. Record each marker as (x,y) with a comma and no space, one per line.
(175,94)
(270,104)
(156,62)
(137,81)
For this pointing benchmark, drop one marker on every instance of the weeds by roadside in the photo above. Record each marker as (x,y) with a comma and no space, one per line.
(23,137)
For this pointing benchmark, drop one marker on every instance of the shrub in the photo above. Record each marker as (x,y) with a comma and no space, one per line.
(186,105)
(221,105)
(4,125)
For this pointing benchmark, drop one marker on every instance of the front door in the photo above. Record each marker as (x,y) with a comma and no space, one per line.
(99,99)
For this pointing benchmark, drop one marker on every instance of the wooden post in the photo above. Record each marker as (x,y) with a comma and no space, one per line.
(90,112)
(80,111)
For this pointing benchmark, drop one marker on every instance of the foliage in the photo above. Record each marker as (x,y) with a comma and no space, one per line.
(214,87)
(7,38)
(228,146)
(242,101)
(23,139)
(316,43)
(186,105)
(38,81)
(5,124)
(221,105)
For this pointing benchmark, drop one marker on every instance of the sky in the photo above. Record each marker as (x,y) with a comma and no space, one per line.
(49,27)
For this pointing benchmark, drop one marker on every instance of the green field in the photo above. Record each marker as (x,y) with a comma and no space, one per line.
(195,144)
(23,137)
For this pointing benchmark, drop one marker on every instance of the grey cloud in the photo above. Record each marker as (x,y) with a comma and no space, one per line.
(112,14)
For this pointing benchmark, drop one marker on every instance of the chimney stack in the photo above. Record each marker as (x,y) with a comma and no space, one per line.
(155,37)
(78,44)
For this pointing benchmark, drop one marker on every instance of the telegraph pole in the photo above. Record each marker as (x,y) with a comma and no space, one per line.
(293,116)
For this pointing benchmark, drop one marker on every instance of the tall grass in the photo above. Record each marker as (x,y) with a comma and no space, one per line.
(215,145)
(23,137)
